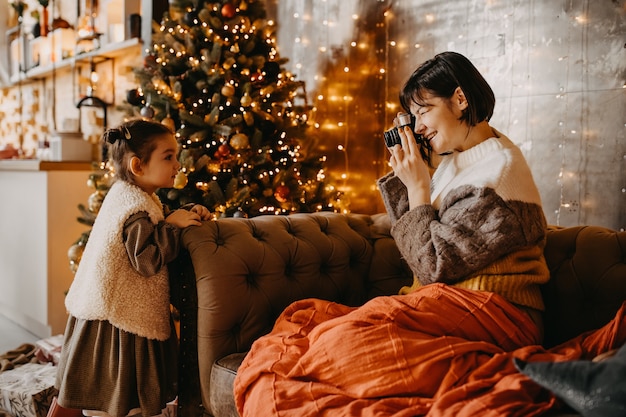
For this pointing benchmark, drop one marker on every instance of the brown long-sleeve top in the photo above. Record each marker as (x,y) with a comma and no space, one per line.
(150,246)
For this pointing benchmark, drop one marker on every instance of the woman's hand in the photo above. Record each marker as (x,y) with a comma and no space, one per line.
(408,165)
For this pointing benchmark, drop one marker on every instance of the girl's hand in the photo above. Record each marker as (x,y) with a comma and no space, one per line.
(202,211)
(182,218)
(408,165)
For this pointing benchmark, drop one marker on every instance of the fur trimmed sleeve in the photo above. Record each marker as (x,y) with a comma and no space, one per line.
(395,196)
(475,228)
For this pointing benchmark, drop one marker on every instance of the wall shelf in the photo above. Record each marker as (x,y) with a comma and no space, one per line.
(102,53)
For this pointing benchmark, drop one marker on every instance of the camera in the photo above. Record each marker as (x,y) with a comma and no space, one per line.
(391,136)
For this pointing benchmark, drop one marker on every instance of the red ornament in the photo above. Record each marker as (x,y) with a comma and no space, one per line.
(223,150)
(150,62)
(228,11)
(281,194)
(256,77)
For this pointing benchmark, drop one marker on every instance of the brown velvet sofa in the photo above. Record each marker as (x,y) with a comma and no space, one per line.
(235,276)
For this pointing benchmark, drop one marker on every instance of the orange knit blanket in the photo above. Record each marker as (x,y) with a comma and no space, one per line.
(439,351)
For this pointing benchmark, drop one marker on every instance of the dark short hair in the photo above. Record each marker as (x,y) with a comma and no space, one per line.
(440,76)
(132,138)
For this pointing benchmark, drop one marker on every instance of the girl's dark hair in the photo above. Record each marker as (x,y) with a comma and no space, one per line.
(440,76)
(132,138)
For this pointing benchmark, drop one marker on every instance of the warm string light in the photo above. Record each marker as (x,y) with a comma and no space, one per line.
(337,120)
(390,108)
(566,177)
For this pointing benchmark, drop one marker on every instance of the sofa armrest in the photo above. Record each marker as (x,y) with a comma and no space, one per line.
(588,280)
(248,270)
(388,271)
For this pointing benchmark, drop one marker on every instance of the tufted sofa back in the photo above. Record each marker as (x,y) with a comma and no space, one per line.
(237,275)
(246,271)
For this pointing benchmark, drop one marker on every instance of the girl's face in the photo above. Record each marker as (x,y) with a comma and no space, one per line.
(160,171)
(437,119)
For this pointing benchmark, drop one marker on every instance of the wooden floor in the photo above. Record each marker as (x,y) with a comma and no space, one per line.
(13,336)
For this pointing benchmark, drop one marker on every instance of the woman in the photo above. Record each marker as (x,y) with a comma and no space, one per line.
(473,235)
(478,222)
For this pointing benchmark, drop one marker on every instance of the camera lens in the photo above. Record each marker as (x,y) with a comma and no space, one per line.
(391,136)
(405,119)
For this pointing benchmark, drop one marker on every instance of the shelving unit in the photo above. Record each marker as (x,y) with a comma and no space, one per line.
(109,51)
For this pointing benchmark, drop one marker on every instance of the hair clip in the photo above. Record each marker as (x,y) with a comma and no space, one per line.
(126,132)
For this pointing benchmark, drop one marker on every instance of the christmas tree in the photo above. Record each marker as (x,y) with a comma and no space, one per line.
(213,75)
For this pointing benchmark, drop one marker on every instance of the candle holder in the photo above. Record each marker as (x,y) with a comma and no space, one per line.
(44,18)
(88,38)
(93,90)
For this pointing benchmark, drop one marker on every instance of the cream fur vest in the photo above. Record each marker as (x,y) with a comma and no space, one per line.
(106,286)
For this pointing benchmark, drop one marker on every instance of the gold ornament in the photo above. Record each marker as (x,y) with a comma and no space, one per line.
(246,100)
(169,122)
(228,90)
(94,202)
(180,181)
(240,141)
(74,254)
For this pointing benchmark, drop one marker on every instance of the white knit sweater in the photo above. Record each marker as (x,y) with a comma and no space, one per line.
(485,228)
(495,163)
(106,286)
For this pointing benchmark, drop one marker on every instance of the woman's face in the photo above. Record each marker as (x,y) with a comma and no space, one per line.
(437,119)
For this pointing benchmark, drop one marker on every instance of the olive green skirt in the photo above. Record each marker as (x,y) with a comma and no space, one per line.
(107,369)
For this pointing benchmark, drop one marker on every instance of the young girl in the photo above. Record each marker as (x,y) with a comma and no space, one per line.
(119,355)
